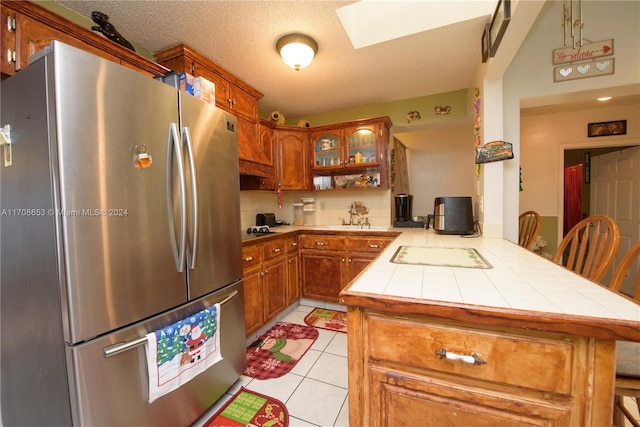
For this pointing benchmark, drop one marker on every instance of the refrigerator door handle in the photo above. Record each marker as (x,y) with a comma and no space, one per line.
(174,149)
(112,350)
(191,257)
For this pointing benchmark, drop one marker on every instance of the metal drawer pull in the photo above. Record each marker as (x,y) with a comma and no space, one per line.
(321,244)
(121,347)
(374,246)
(276,250)
(249,258)
(473,359)
(294,244)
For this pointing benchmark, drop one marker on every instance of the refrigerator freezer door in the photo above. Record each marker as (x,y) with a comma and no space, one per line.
(116,232)
(113,390)
(218,252)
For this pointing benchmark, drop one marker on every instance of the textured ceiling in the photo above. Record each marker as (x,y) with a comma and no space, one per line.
(240,36)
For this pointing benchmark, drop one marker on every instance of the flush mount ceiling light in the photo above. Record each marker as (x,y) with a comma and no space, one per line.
(604,98)
(297,50)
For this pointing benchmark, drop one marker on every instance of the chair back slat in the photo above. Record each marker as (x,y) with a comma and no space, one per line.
(590,247)
(623,270)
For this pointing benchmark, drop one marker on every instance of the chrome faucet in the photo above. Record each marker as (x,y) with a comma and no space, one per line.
(366,222)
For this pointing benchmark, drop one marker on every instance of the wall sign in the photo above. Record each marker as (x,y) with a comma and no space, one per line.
(584,69)
(581,53)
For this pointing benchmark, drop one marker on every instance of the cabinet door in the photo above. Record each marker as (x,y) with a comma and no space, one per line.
(362,144)
(327,149)
(292,146)
(273,285)
(356,263)
(266,139)
(8,40)
(323,274)
(401,399)
(293,278)
(243,103)
(253,315)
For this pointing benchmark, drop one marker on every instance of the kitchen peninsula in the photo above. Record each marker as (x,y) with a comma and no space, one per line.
(519,341)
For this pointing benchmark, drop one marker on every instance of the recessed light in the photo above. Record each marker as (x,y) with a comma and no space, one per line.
(604,98)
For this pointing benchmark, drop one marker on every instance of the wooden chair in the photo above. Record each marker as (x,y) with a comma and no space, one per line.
(590,247)
(627,353)
(528,228)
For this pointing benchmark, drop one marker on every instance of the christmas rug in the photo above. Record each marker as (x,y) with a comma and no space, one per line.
(278,350)
(327,319)
(248,408)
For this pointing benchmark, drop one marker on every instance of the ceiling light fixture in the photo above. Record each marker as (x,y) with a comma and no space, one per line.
(604,98)
(297,50)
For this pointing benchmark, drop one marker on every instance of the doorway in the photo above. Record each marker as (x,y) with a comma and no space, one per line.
(605,189)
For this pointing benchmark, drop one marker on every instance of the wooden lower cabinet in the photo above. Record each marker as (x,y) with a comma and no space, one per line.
(525,378)
(331,262)
(270,272)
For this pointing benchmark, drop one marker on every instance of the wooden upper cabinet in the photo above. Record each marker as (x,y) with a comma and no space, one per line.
(28,27)
(292,146)
(232,94)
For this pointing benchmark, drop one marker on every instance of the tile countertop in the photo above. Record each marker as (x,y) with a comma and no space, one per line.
(522,290)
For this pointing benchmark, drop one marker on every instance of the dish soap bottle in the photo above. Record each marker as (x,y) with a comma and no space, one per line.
(358,157)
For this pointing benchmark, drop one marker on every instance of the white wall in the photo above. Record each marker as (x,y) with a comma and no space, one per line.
(441,163)
(530,74)
(543,139)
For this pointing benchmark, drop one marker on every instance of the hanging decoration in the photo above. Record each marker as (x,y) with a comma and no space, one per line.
(477,139)
(580,60)
(521,189)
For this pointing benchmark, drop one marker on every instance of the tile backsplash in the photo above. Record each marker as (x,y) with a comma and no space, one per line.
(330,206)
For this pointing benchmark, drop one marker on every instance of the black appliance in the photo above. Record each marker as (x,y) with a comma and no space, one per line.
(452,215)
(268,219)
(404,205)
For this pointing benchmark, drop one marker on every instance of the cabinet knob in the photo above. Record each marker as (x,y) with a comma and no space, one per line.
(350,260)
(342,260)
(11,56)
(276,250)
(294,244)
(249,258)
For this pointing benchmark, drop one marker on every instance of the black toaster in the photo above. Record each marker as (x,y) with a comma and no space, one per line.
(266,219)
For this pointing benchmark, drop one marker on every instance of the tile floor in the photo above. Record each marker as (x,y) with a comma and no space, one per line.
(315,391)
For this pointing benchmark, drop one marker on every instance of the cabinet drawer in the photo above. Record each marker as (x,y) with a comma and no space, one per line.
(273,249)
(367,244)
(291,244)
(534,362)
(250,256)
(332,243)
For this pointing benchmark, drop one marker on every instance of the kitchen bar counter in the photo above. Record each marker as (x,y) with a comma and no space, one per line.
(525,342)
(522,289)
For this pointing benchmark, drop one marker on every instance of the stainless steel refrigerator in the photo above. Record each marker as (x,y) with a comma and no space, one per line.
(120,216)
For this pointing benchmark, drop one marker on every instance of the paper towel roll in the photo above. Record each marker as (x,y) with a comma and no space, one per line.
(277,118)
(304,124)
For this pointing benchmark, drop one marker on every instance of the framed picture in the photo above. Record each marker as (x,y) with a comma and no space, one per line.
(499,22)
(486,46)
(618,127)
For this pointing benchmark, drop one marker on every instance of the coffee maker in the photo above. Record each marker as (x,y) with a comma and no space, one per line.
(404,205)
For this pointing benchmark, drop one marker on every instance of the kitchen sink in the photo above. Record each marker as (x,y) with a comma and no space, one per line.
(353,227)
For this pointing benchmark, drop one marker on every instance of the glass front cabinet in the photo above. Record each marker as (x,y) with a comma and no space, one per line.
(351,155)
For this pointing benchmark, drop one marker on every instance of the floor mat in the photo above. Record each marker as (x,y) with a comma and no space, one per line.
(327,319)
(278,350)
(248,408)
